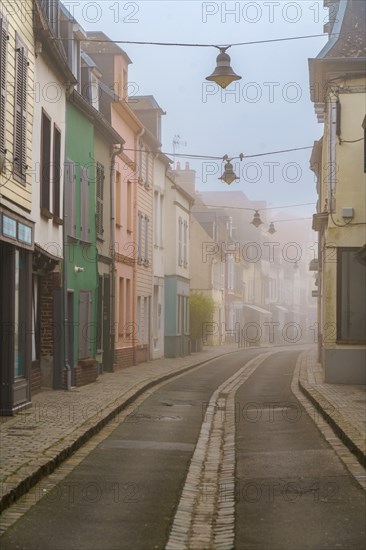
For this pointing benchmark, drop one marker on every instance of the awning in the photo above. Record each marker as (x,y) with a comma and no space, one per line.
(258,309)
(281,308)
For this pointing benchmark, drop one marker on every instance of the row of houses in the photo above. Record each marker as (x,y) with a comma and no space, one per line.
(85,196)
(102,237)
(338,91)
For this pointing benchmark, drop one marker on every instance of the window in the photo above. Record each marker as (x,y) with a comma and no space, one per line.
(146,250)
(139,161)
(179,313)
(3,61)
(139,235)
(186,315)
(99,202)
(56,172)
(118,199)
(351,297)
(45,164)
(129,206)
(146,319)
(180,242)
(185,243)
(147,168)
(161,220)
(20,114)
(122,305)
(156,218)
(139,316)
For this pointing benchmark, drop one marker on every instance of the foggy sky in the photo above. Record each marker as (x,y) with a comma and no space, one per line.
(223,123)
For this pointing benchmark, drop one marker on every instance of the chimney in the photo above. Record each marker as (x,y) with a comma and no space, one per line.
(178,166)
(187,166)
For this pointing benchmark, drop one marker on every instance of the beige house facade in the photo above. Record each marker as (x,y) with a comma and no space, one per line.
(338,89)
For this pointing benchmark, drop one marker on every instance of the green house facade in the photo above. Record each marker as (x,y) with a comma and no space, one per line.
(80,252)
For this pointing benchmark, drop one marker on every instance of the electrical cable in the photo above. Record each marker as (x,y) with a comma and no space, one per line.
(185,44)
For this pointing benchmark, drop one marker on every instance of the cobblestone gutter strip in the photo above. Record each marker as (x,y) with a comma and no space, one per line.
(19,482)
(205,516)
(348,434)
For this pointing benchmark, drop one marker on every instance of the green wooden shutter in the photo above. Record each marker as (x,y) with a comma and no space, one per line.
(100,199)
(84,205)
(69,190)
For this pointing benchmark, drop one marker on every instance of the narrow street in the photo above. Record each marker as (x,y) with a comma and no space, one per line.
(164,477)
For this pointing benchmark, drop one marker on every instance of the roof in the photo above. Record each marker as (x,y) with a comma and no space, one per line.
(347,37)
(144,103)
(100,43)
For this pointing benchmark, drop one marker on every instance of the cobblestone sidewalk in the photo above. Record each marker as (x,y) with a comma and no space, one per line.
(343,406)
(36,440)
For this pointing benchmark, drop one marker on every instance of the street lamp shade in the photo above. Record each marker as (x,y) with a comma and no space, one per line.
(229,175)
(223,74)
(271,229)
(256,221)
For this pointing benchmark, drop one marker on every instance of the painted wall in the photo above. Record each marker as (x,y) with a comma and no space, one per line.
(51,99)
(80,149)
(21,25)
(349,190)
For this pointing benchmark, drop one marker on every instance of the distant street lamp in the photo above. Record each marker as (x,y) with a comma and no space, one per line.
(271,229)
(256,219)
(223,74)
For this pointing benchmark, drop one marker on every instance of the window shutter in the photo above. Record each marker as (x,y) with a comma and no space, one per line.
(56,172)
(3,60)
(69,183)
(20,123)
(84,210)
(45,165)
(100,198)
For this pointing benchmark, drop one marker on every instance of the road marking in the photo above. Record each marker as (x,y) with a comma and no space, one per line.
(205,517)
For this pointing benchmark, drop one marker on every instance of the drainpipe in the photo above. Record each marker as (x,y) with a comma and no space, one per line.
(113,236)
(138,135)
(66,310)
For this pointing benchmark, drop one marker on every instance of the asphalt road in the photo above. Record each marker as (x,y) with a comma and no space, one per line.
(292,490)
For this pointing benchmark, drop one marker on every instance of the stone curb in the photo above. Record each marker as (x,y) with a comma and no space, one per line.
(344,430)
(70,444)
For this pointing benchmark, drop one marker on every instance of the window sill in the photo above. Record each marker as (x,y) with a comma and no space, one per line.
(45,213)
(349,342)
(100,239)
(57,221)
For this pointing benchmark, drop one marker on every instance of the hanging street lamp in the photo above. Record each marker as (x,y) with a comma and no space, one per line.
(271,229)
(256,221)
(223,74)
(229,175)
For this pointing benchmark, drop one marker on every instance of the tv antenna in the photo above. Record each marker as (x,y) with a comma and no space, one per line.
(177,142)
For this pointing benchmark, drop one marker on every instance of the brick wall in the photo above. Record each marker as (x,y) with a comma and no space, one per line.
(123,357)
(142,354)
(35,377)
(86,372)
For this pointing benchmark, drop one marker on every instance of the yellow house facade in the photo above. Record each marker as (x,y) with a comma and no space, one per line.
(16,224)
(338,89)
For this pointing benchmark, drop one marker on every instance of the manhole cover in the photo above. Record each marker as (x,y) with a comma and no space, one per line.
(177,402)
